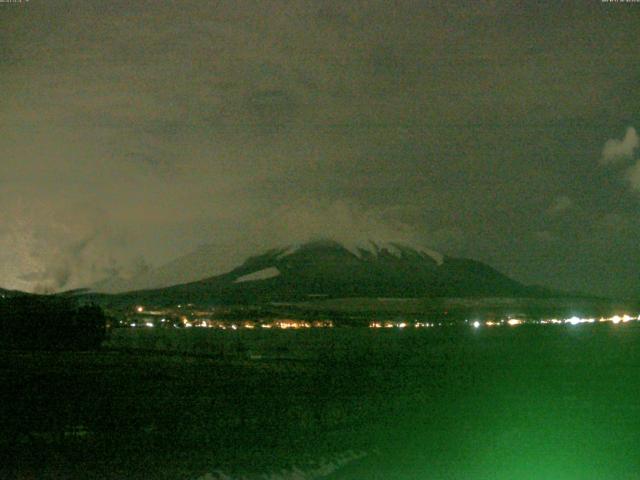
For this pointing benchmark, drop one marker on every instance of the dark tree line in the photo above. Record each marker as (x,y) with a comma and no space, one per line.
(50,322)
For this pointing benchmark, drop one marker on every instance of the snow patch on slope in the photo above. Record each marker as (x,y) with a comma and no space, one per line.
(393,248)
(288,251)
(259,275)
(370,247)
(436,256)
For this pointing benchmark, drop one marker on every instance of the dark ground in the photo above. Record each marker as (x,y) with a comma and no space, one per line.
(554,402)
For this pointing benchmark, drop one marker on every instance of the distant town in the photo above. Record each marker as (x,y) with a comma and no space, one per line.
(223,318)
(249,318)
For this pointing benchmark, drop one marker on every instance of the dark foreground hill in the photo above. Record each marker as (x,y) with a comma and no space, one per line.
(49,322)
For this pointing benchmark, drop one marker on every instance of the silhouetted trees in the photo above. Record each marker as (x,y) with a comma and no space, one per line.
(50,322)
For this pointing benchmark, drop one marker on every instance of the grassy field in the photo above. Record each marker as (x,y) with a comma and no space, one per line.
(554,402)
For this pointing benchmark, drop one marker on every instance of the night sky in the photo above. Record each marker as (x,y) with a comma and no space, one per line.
(134,131)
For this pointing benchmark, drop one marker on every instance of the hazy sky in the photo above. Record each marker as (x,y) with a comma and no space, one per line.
(134,131)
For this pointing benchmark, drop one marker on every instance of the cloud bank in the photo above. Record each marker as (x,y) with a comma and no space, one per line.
(621,151)
(633,176)
(615,150)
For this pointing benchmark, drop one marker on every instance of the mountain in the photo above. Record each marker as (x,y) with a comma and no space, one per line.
(331,269)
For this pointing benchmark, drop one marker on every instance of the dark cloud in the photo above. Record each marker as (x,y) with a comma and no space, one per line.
(154,127)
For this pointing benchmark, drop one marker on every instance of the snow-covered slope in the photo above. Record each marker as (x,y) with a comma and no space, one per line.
(373,248)
(263,274)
